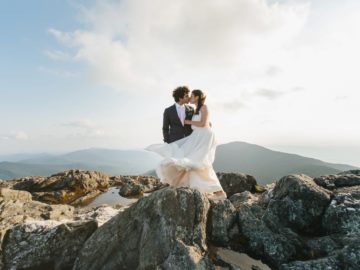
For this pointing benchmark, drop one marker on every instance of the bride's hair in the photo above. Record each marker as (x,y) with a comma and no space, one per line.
(201,100)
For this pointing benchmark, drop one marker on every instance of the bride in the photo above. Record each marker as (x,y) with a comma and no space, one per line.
(188,162)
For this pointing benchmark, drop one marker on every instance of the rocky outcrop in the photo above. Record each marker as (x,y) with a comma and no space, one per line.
(37,235)
(237,182)
(299,225)
(343,179)
(65,187)
(79,188)
(297,203)
(296,223)
(16,208)
(45,244)
(164,230)
(136,185)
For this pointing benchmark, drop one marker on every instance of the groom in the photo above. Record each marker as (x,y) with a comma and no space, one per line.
(174,116)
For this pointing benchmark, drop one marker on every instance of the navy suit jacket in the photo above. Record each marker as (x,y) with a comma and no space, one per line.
(173,129)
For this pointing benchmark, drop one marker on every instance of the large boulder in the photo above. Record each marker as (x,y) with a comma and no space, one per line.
(274,247)
(13,212)
(345,258)
(342,215)
(331,262)
(342,179)
(7,194)
(222,222)
(299,203)
(45,244)
(64,187)
(166,230)
(236,183)
(136,185)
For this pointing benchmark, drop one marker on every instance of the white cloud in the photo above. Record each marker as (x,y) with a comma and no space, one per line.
(15,135)
(273,70)
(21,135)
(146,46)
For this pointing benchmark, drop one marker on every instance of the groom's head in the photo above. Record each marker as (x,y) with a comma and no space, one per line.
(181,94)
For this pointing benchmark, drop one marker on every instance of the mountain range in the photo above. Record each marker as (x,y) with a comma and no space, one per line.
(264,164)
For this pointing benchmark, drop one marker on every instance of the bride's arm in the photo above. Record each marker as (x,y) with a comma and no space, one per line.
(204,118)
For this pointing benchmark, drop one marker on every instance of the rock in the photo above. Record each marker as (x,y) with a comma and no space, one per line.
(322,246)
(343,179)
(259,189)
(342,215)
(166,230)
(332,263)
(236,182)
(350,254)
(86,199)
(10,194)
(354,191)
(267,195)
(297,203)
(239,199)
(293,224)
(237,261)
(350,172)
(273,247)
(222,219)
(16,212)
(100,214)
(347,258)
(136,185)
(18,215)
(131,188)
(65,187)
(45,244)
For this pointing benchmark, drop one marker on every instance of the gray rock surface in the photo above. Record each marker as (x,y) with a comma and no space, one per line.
(64,187)
(342,179)
(297,203)
(136,185)
(236,182)
(164,230)
(45,244)
(295,224)
(222,220)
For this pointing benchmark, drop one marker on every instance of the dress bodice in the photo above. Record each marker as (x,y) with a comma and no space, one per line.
(197,117)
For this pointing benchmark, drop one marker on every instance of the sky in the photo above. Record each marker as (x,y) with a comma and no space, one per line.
(83,74)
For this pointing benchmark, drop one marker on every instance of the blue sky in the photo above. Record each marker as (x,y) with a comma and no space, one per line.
(80,74)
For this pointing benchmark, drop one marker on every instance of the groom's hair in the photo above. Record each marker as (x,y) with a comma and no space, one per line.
(180,92)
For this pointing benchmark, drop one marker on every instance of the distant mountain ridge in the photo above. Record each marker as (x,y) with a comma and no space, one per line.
(114,162)
(267,165)
(264,164)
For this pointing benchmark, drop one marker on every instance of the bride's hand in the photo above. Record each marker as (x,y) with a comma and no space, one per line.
(187,122)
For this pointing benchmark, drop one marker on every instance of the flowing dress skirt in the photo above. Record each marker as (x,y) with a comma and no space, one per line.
(188,162)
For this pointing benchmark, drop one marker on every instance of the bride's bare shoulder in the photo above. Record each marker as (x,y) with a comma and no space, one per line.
(204,108)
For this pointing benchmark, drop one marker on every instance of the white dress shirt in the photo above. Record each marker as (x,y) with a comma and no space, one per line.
(181,112)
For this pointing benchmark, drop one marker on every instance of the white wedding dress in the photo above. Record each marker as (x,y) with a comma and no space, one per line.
(188,161)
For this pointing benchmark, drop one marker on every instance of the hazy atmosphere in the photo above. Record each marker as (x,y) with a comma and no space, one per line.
(99,74)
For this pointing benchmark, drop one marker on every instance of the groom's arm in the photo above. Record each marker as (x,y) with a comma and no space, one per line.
(166,126)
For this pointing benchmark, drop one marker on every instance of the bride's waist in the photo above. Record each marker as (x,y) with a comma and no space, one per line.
(205,127)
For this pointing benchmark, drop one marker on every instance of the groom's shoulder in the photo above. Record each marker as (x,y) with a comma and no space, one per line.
(169,108)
